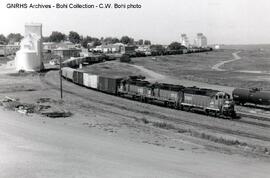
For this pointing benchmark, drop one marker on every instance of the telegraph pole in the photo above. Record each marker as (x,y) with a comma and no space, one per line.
(60,73)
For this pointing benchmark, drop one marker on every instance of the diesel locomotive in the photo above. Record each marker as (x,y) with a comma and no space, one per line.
(208,101)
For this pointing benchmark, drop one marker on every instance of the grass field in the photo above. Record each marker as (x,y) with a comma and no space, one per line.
(252,60)
(198,67)
(112,68)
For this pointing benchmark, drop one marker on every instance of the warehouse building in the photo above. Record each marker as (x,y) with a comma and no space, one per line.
(116,48)
(66,53)
(50,46)
(110,48)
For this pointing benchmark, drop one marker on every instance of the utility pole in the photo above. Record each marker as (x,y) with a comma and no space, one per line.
(60,73)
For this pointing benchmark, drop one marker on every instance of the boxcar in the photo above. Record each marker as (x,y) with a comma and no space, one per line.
(108,84)
(78,77)
(64,72)
(90,80)
(67,72)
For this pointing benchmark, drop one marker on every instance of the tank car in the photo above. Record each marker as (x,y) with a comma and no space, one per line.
(254,96)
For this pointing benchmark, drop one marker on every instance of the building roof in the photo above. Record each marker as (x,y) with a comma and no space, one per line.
(67,49)
(33,24)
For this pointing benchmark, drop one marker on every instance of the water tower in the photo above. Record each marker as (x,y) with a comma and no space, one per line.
(29,57)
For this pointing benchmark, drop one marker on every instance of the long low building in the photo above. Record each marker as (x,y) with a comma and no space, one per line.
(66,53)
(116,48)
(50,46)
(6,50)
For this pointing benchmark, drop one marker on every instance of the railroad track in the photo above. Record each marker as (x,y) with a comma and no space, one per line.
(252,122)
(253,116)
(165,117)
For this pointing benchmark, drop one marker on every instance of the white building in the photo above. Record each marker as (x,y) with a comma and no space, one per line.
(184,40)
(200,41)
(50,46)
(110,48)
(29,57)
(217,46)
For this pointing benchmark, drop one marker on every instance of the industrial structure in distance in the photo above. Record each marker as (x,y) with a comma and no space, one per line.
(200,41)
(29,57)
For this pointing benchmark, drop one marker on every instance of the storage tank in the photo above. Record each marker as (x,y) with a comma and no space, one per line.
(254,96)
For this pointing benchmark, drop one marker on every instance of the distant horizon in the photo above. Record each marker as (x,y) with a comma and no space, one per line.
(143,39)
(136,39)
(222,22)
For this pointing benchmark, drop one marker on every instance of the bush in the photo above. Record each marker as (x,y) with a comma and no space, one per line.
(125,58)
(163,125)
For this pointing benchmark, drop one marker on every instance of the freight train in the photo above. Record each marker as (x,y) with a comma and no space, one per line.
(251,96)
(74,62)
(210,102)
(169,52)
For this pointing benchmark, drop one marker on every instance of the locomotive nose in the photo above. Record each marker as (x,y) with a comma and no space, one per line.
(228,108)
(228,105)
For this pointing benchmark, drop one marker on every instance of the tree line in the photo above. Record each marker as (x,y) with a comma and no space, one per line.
(10,39)
(75,38)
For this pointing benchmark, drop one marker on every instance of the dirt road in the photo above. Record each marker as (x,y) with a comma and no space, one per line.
(218,65)
(34,147)
(151,74)
(107,138)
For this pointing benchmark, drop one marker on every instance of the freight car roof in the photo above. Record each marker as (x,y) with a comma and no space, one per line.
(139,82)
(201,91)
(169,86)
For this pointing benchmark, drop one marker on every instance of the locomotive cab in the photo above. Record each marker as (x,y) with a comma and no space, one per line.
(220,99)
(225,104)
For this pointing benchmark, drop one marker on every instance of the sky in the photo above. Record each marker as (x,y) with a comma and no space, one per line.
(161,21)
